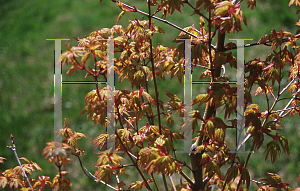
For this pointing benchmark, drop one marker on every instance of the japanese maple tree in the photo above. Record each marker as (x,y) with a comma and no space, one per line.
(140,139)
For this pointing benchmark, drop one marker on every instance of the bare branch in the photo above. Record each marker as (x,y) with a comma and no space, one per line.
(165,21)
(266,43)
(196,10)
(95,179)
(14,149)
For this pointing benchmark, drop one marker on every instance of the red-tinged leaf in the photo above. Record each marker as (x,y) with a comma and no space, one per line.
(55,148)
(100,141)
(147,128)
(3,181)
(138,185)
(141,92)
(43,183)
(273,125)
(274,33)
(104,173)
(201,98)
(23,158)
(282,185)
(178,165)
(15,182)
(252,4)
(273,149)
(209,128)
(219,123)
(12,139)
(120,16)
(1,159)
(162,149)
(113,167)
(232,173)
(296,2)
(265,130)
(231,10)
(124,7)
(298,23)
(285,145)
(79,135)
(198,116)
(246,176)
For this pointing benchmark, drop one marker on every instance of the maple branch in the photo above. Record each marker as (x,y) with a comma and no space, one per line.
(82,66)
(154,80)
(269,112)
(187,178)
(164,21)
(172,182)
(165,182)
(209,112)
(95,77)
(131,157)
(153,69)
(95,179)
(288,104)
(257,182)
(266,43)
(280,115)
(118,180)
(14,149)
(149,117)
(282,111)
(154,181)
(287,86)
(85,171)
(196,10)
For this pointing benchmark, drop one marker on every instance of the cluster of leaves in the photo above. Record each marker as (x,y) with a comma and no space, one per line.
(150,146)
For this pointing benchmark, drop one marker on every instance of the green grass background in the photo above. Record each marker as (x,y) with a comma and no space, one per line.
(26,78)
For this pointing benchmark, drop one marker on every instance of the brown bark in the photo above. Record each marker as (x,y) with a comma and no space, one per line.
(209,112)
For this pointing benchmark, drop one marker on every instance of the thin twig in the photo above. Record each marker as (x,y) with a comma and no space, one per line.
(165,182)
(14,149)
(266,43)
(95,179)
(186,177)
(172,182)
(280,115)
(196,10)
(154,80)
(85,171)
(154,181)
(131,157)
(165,21)
(153,69)
(287,86)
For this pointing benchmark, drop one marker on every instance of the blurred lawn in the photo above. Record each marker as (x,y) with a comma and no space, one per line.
(26,82)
